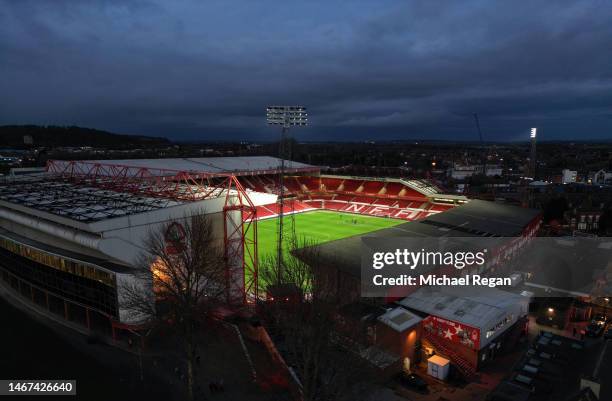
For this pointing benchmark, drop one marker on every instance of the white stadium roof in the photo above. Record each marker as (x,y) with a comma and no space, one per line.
(213,165)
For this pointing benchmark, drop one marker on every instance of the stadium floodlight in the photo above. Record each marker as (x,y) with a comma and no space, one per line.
(533,165)
(286,117)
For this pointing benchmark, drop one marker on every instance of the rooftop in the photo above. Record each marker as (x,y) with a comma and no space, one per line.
(399,319)
(475,306)
(476,218)
(76,202)
(241,165)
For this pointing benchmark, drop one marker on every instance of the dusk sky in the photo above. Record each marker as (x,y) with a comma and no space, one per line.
(373,69)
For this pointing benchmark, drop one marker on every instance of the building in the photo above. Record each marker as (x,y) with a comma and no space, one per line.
(70,238)
(568,176)
(469,326)
(601,177)
(461,172)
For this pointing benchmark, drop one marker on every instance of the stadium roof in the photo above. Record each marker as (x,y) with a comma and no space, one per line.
(474,306)
(240,165)
(484,218)
(476,218)
(77,202)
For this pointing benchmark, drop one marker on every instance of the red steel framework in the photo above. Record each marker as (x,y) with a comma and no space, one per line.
(240,233)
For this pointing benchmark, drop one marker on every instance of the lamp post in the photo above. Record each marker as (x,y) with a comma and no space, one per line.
(285,117)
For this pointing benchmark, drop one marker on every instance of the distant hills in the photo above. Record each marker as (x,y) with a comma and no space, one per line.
(12,136)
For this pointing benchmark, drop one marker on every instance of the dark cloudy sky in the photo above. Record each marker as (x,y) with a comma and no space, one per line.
(375,69)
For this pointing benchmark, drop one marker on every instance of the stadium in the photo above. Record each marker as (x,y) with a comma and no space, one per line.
(70,236)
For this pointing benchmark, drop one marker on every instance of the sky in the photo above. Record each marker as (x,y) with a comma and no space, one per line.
(366,70)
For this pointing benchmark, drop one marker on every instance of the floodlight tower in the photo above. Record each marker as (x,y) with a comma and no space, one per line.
(532,157)
(286,117)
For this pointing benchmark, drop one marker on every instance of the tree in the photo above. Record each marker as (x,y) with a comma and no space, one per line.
(313,341)
(185,267)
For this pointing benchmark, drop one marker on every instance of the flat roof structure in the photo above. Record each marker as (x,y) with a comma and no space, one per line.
(222,166)
(476,218)
(77,202)
(474,306)
(399,319)
(484,218)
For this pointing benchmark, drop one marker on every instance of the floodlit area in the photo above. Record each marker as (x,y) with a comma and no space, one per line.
(315,227)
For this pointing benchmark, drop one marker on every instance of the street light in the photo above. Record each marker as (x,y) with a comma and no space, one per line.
(534,132)
(286,117)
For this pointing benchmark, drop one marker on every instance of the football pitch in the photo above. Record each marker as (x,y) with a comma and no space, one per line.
(317,227)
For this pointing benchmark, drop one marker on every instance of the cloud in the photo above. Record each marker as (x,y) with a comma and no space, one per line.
(386,69)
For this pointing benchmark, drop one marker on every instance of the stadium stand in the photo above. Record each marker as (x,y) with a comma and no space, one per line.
(310,183)
(362,199)
(385,201)
(402,199)
(291,206)
(351,185)
(292,185)
(393,188)
(330,184)
(345,198)
(372,187)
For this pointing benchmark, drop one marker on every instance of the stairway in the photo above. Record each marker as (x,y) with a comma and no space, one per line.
(467,369)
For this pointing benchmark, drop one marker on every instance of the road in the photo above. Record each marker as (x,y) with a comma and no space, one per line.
(30,349)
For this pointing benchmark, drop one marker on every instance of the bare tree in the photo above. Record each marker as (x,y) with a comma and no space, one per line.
(185,267)
(312,341)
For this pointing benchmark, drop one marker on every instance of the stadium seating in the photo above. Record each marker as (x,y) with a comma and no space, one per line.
(330,184)
(345,198)
(351,185)
(372,187)
(311,183)
(393,188)
(440,208)
(292,185)
(363,199)
(368,197)
(385,201)
(258,183)
(291,206)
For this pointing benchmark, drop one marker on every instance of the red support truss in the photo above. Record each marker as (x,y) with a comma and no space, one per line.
(239,213)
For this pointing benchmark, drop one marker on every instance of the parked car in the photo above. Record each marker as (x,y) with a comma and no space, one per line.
(600,319)
(594,329)
(413,380)
(608,333)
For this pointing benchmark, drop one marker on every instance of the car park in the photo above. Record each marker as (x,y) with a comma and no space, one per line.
(594,329)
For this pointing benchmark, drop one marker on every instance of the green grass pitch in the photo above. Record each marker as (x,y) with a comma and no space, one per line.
(318,227)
